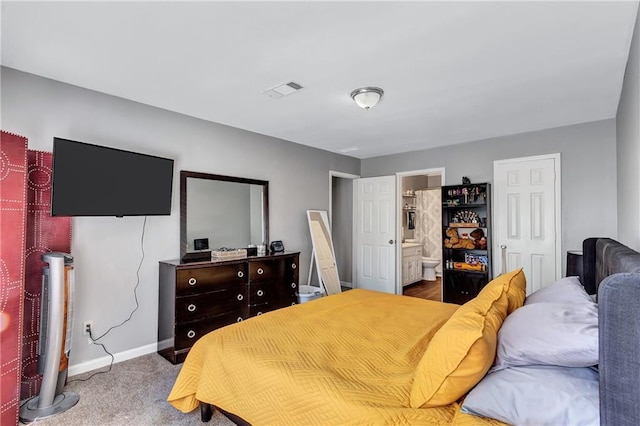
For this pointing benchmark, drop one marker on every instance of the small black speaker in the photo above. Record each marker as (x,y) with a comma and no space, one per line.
(201,244)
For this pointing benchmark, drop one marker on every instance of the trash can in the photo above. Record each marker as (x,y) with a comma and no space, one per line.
(308,293)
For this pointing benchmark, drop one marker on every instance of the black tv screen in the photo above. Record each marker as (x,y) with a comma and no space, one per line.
(92,180)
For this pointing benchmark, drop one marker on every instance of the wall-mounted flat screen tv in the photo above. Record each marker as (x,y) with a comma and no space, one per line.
(92,180)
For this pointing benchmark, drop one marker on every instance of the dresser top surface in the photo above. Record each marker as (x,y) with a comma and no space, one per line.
(177,262)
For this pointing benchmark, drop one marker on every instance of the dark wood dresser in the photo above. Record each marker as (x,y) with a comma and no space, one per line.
(196,298)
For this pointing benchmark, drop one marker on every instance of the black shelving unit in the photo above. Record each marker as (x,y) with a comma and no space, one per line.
(466,266)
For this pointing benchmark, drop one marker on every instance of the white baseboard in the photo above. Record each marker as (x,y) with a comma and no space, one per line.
(117,357)
(346,284)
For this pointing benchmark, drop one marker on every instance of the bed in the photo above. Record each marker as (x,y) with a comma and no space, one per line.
(368,357)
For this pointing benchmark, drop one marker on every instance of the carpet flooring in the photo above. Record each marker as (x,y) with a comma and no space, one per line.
(134,392)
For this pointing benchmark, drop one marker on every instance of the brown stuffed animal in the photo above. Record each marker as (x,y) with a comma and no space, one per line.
(454,240)
(479,239)
(466,243)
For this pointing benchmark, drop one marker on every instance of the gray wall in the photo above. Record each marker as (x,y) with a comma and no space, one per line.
(588,157)
(342,226)
(628,131)
(107,250)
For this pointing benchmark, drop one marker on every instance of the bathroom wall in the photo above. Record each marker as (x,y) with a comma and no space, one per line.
(411,183)
(418,183)
(429,223)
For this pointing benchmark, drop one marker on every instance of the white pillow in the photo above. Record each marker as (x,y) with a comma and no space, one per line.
(549,334)
(565,290)
(537,395)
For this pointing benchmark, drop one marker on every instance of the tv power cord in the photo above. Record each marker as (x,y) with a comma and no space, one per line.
(135,296)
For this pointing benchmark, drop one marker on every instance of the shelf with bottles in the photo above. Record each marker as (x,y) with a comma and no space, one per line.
(460,196)
(470,262)
(467,218)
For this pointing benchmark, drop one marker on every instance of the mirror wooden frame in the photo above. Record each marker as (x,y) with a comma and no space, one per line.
(185,174)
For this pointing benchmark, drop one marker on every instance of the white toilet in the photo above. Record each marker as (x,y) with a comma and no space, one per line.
(429,268)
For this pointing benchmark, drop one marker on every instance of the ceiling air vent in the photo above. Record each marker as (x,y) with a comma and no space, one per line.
(283,89)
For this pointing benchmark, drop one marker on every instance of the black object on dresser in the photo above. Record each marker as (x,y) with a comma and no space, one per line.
(466,264)
(196,298)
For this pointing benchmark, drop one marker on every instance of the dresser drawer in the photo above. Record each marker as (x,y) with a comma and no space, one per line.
(257,310)
(187,334)
(262,292)
(265,270)
(198,280)
(199,306)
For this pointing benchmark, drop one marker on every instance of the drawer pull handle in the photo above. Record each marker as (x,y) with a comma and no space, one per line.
(260,271)
(239,319)
(240,297)
(191,334)
(191,307)
(260,293)
(240,274)
(294,266)
(259,313)
(294,285)
(192,281)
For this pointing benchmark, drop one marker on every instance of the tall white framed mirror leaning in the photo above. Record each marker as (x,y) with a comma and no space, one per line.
(323,252)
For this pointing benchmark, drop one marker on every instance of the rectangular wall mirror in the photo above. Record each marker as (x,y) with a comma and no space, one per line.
(229,211)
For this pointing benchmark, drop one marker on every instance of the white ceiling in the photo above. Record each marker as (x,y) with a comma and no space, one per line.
(452,71)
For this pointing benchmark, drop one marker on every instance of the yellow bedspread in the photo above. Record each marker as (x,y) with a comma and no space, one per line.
(343,359)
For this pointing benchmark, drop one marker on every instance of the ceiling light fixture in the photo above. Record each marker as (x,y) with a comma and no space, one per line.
(367,97)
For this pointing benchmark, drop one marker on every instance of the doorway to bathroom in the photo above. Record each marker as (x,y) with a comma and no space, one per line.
(419,229)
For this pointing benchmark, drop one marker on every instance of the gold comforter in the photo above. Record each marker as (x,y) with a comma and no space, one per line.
(344,359)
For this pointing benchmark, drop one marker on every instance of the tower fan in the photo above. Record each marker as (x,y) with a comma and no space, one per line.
(55,340)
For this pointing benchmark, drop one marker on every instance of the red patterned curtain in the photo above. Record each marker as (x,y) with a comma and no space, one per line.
(13,172)
(44,234)
(27,230)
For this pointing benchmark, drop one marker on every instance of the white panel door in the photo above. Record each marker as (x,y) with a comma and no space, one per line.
(374,225)
(526,210)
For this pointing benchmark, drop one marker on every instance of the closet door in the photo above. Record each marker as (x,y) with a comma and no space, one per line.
(527,218)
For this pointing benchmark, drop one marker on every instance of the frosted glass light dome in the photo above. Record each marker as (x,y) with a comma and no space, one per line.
(367,97)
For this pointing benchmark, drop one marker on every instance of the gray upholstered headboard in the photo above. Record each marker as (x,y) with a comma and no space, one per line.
(613,270)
